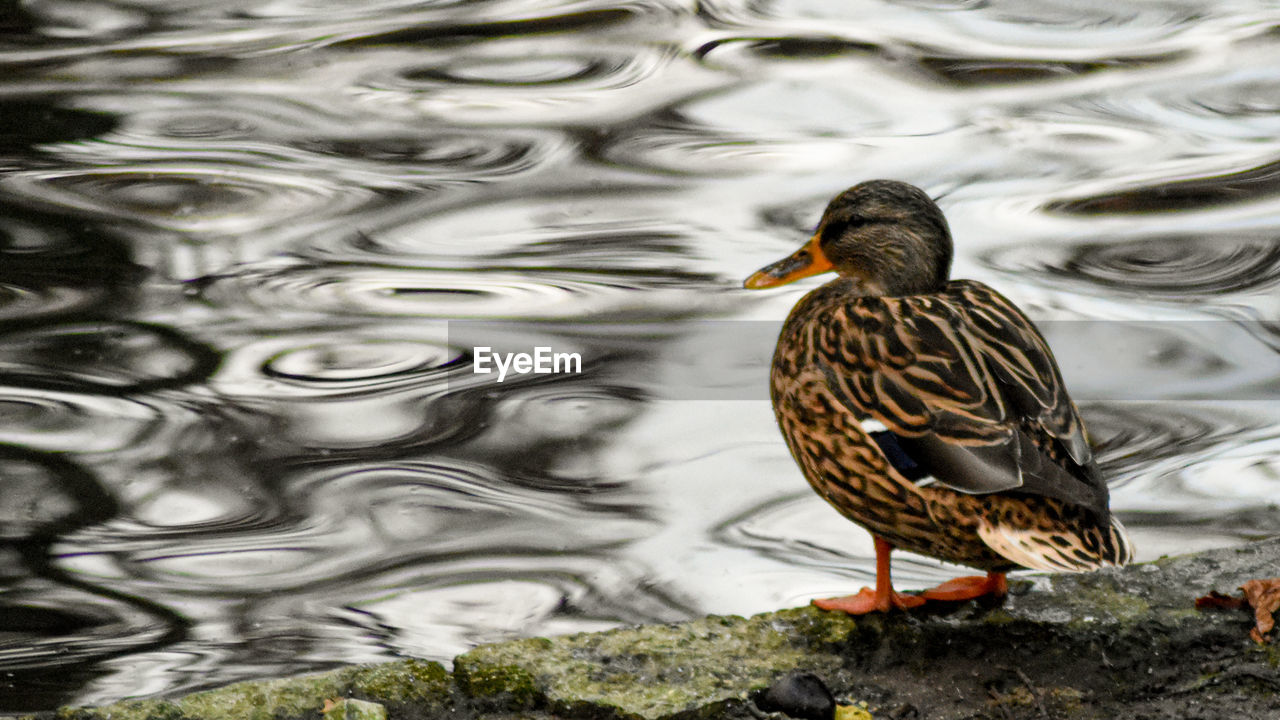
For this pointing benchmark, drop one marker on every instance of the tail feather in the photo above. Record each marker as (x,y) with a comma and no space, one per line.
(1119,544)
(1056,550)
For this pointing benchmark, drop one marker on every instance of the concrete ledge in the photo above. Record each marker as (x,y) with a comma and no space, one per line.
(1113,644)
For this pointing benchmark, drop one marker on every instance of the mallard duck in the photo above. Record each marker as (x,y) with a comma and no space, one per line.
(931,411)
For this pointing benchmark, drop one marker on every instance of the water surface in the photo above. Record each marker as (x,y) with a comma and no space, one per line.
(248,249)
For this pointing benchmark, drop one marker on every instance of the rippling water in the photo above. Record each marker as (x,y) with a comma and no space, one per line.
(247,251)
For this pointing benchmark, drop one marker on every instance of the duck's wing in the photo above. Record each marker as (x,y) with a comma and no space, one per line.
(968,388)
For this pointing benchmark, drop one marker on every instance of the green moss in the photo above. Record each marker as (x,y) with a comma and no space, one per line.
(497,685)
(166,711)
(1272,652)
(818,628)
(409,680)
(999,617)
(348,709)
(304,696)
(289,698)
(1089,604)
(658,670)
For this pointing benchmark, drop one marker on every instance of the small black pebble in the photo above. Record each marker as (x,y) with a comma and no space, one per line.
(799,695)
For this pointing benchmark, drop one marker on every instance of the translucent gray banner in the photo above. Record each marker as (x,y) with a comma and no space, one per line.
(1101,360)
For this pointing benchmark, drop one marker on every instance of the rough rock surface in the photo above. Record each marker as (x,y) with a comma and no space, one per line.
(1113,644)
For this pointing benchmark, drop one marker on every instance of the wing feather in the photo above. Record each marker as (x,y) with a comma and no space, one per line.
(970,388)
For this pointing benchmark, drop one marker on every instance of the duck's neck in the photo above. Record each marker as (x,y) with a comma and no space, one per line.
(870,287)
(854,287)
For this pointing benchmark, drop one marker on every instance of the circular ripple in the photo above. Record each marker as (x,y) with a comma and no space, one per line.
(1229,112)
(189,199)
(520,83)
(166,124)
(348,363)
(221,488)
(1134,437)
(1173,268)
(313,9)
(702,153)
(205,511)
(515,71)
(551,436)
(74,423)
(447,294)
(567,413)
(204,126)
(324,362)
(783,108)
(87,22)
(53,633)
(642,236)
(352,521)
(579,72)
(1197,465)
(801,531)
(17,302)
(1008,24)
(46,495)
(27,237)
(443,610)
(254,131)
(327,390)
(756,54)
(1254,95)
(106,357)
(298,148)
(449,156)
(48,268)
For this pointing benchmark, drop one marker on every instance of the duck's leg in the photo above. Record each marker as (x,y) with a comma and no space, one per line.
(882,599)
(968,588)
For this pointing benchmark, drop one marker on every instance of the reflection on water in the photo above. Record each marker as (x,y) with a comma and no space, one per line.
(247,250)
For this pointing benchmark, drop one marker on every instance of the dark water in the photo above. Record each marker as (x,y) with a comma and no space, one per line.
(247,249)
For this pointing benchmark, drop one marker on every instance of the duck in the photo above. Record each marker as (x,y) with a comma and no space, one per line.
(930,410)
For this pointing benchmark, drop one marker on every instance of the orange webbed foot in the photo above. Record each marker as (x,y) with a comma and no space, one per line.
(968,588)
(867,601)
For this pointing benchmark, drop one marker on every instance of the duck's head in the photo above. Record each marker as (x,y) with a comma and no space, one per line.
(889,236)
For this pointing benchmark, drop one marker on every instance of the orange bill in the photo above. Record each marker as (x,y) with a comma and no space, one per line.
(802,263)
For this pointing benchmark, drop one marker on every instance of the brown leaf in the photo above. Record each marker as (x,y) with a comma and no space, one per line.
(1217,601)
(1264,596)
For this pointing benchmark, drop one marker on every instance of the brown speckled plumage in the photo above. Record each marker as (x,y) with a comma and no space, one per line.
(960,379)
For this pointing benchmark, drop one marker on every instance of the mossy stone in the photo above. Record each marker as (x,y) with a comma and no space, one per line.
(418,681)
(1122,644)
(659,670)
(404,681)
